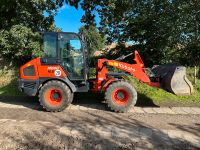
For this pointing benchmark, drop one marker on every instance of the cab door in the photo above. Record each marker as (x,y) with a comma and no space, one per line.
(71,54)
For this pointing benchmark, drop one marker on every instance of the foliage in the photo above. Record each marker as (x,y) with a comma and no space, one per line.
(118,51)
(95,40)
(163,31)
(70,2)
(18,42)
(21,22)
(27,13)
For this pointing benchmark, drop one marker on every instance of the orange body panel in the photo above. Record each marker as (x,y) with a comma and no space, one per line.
(46,71)
(50,71)
(34,63)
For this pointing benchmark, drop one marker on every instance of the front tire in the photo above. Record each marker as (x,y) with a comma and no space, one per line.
(120,96)
(55,96)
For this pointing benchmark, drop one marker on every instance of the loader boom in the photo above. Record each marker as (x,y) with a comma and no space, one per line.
(137,70)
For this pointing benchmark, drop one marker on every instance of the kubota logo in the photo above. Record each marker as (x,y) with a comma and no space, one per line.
(126,67)
(122,66)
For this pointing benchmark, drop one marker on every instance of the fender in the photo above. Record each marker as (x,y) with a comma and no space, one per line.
(32,87)
(65,80)
(108,82)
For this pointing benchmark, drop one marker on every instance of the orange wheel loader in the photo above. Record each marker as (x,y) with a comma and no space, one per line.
(64,70)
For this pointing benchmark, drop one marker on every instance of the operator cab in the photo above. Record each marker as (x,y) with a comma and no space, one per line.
(65,49)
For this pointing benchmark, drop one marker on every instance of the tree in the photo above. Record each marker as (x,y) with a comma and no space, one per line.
(70,2)
(18,42)
(27,13)
(157,27)
(95,40)
(21,22)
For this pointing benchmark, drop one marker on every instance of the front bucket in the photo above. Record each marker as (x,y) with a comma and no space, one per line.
(173,79)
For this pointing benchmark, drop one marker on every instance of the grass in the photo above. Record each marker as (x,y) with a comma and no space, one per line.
(8,83)
(161,97)
(146,95)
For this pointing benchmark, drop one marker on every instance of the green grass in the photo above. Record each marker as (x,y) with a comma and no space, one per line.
(146,95)
(161,97)
(8,83)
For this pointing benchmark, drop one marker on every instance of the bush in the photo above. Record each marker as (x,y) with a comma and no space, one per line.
(18,43)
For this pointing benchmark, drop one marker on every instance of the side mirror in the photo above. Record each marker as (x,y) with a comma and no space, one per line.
(68,46)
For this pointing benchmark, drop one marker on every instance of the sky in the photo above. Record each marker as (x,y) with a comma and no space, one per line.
(68,18)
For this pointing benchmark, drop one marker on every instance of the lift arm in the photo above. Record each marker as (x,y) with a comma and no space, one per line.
(136,70)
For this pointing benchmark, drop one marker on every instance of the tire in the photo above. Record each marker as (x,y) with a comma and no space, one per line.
(120,96)
(55,96)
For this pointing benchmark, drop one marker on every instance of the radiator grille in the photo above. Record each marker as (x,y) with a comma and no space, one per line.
(30,85)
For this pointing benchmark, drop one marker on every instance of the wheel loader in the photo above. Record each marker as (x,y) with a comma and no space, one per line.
(64,69)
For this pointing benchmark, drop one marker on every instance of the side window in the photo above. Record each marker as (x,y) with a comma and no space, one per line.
(50,45)
(76,53)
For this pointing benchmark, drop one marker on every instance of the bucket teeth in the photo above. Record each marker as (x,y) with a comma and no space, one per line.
(173,79)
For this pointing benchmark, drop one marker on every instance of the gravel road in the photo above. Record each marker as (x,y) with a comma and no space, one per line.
(24,125)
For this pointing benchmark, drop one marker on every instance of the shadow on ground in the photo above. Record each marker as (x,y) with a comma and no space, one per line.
(91,131)
(98,98)
(25,101)
(91,100)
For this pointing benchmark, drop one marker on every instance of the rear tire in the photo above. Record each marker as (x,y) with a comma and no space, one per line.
(55,96)
(120,96)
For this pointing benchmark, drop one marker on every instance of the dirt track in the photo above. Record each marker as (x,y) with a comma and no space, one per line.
(31,128)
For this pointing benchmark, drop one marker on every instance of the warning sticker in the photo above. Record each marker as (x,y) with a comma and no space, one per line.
(57,73)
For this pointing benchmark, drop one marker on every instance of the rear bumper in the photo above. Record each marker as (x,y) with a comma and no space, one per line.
(29,87)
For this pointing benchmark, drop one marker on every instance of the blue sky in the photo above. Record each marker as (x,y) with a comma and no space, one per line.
(68,18)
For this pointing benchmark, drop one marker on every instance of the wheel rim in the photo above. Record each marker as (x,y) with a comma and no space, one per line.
(120,96)
(54,96)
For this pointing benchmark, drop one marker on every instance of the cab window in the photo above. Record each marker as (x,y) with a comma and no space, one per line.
(50,46)
(71,55)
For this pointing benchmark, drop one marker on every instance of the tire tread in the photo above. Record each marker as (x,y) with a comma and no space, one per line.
(66,102)
(108,95)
